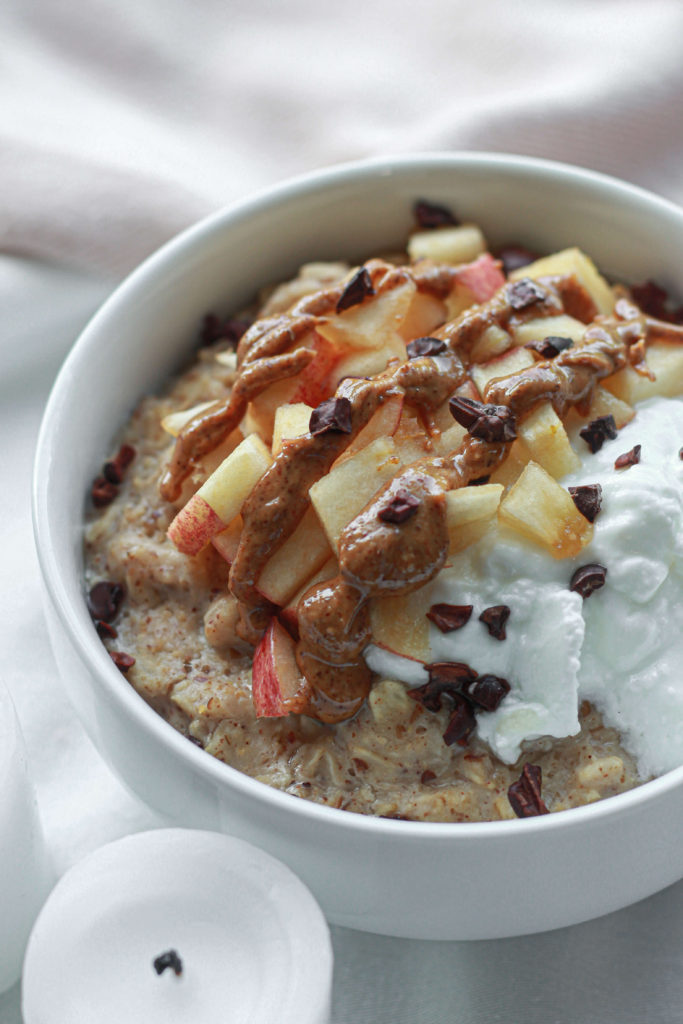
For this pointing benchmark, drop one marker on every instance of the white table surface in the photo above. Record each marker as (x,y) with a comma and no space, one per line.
(626,968)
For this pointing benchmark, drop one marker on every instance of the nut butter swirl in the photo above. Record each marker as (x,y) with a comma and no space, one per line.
(377,557)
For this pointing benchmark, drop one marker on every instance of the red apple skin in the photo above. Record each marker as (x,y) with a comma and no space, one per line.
(483,277)
(278,688)
(314,382)
(194,526)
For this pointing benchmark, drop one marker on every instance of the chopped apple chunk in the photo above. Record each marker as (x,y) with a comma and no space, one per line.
(546,441)
(455,245)
(666,362)
(449,440)
(400,624)
(549,326)
(425,313)
(384,423)
(603,403)
(371,361)
(339,496)
(301,555)
(512,361)
(289,614)
(470,511)
(278,687)
(510,469)
(373,323)
(291,420)
(542,511)
(493,342)
(227,541)
(572,263)
(175,421)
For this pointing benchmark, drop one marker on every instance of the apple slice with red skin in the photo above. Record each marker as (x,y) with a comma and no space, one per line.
(483,277)
(278,687)
(384,423)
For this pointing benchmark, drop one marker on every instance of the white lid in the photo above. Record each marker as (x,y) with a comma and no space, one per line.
(252,940)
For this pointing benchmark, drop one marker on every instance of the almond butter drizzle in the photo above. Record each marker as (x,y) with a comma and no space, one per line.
(375,557)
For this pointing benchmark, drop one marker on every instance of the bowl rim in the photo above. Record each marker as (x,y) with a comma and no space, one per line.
(100,667)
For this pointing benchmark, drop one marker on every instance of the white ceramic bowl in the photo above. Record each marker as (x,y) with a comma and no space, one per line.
(399,878)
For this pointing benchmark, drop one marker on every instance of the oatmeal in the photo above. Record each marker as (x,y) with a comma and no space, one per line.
(398,553)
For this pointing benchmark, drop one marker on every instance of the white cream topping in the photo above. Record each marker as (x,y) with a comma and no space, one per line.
(621,648)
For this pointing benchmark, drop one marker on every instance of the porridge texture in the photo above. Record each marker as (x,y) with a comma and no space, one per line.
(378,547)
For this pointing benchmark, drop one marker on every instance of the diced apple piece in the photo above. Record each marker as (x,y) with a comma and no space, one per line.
(483,277)
(442,415)
(384,423)
(400,624)
(512,361)
(227,541)
(545,438)
(510,469)
(424,315)
(369,362)
(289,614)
(493,342)
(470,511)
(449,440)
(295,561)
(549,326)
(339,496)
(260,415)
(278,687)
(574,263)
(454,245)
(221,497)
(544,512)
(291,420)
(175,421)
(603,403)
(373,323)
(314,383)
(666,362)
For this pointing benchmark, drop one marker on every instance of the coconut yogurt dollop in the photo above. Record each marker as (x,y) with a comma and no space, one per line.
(621,648)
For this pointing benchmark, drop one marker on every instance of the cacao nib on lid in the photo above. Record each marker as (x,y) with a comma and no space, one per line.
(449,617)
(403,505)
(425,347)
(525,794)
(492,423)
(123,661)
(550,347)
(494,618)
(461,724)
(105,600)
(433,215)
(588,500)
(598,431)
(171,960)
(357,289)
(487,691)
(588,578)
(524,293)
(631,458)
(333,416)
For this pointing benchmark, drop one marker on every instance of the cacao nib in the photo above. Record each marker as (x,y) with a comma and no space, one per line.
(680,453)
(333,416)
(598,431)
(105,600)
(425,347)
(427,776)
(103,492)
(461,724)
(403,505)
(487,691)
(105,631)
(446,678)
(115,470)
(494,618)
(524,293)
(631,458)
(433,215)
(588,578)
(525,794)
(588,500)
(492,423)
(357,289)
(513,257)
(123,661)
(214,329)
(449,617)
(479,482)
(654,300)
(550,346)
(171,960)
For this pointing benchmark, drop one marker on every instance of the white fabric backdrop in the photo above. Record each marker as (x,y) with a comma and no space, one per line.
(123,121)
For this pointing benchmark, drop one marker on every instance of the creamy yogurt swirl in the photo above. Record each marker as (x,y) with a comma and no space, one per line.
(621,648)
